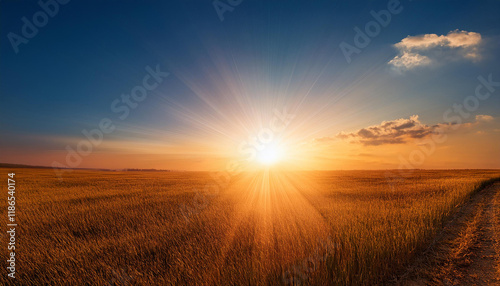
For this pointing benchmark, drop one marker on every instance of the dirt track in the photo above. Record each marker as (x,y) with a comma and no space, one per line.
(467,251)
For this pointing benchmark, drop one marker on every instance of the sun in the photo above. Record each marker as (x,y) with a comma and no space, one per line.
(270,155)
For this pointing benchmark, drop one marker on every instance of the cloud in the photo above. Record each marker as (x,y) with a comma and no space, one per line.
(424,50)
(409,61)
(484,118)
(398,131)
(478,120)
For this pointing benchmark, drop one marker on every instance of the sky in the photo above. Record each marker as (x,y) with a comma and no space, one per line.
(211,85)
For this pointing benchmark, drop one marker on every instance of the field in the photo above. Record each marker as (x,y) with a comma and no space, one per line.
(265,228)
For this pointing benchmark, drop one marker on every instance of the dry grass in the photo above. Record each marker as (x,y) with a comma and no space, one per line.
(321,228)
(465,252)
(496,231)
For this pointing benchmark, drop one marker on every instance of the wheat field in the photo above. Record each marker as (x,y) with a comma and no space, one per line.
(262,228)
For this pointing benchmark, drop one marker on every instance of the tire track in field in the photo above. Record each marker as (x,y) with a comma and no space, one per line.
(467,251)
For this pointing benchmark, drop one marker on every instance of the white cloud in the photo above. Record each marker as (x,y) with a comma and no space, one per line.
(484,118)
(409,60)
(423,50)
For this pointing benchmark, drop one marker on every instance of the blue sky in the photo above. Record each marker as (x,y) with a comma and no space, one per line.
(225,75)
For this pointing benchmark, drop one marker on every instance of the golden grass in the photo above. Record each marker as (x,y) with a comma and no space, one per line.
(319,228)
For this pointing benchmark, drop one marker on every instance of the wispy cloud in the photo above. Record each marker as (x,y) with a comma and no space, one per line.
(424,50)
(484,118)
(478,120)
(398,131)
